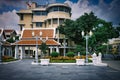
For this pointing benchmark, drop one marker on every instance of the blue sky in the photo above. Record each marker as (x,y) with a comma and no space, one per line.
(105,9)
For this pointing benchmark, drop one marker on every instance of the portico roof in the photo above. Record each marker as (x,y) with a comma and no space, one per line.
(28,39)
(50,42)
(50,33)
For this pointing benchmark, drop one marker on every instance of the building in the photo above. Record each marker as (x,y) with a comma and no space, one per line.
(6,47)
(44,16)
(9,33)
(42,19)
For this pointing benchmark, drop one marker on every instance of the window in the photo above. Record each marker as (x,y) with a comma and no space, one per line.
(61,8)
(54,21)
(49,22)
(40,13)
(38,24)
(21,27)
(55,8)
(61,21)
(21,17)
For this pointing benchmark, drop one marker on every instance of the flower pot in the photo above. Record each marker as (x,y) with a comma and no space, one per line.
(80,61)
(44,61)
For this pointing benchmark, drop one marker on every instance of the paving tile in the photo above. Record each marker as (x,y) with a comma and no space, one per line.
(23,70)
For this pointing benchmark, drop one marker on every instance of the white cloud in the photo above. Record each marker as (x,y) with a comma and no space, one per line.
(109,12)
(9,20)
(14,3)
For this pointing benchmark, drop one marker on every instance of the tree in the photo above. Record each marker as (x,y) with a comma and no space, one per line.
(11,40)
(81,49)
(102,30)
(43,48)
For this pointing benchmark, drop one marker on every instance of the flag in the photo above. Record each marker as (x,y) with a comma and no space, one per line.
(29,3)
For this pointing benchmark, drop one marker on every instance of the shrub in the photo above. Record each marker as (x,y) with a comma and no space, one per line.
(70,54)
(54,54)
(7,59)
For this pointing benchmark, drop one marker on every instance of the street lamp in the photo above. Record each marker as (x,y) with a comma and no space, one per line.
(64,45)
(43,40)
(87,36)
(36,53)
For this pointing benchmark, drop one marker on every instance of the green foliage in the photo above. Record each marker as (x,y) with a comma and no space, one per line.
(54,54)
(11,40)
(8,59)
(81,49)
(62,61)
(102,30)
(43,48)
(101,48)
(70,54)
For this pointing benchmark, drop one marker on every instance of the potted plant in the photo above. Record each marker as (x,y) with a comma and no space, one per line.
(80,50)
(44,49)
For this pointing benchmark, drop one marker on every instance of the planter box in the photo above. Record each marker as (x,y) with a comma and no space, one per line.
(80,61)
(44,61)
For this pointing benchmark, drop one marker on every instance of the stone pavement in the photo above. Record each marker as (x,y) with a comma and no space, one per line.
(23,70)
(113,64)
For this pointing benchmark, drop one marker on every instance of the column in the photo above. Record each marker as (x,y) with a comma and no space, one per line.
(11,52)
(58,30)
(29,52)
(22,54)
(16,52)
(52,22)
(51,50)
(3,51)
(57,49)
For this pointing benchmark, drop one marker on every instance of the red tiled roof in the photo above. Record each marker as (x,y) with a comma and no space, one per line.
(33,42)
(8,30)
(27,33)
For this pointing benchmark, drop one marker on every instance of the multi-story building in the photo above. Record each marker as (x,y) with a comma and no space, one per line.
(45,16)
(43,19)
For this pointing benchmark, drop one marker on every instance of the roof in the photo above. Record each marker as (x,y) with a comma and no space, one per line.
(28,39)
(58,4)
(33,42)
(25,11)
(27,33)
(2,33)
(9,30)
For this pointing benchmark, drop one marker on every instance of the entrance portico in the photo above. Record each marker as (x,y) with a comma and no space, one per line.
(26,46)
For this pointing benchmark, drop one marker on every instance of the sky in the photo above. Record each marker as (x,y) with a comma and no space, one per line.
(108,10)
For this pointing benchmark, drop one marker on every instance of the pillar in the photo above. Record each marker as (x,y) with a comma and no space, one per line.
(11,52)
(57,49)
(58,30)
(52,22)
(29,52)
(22,54)
(16,52)
(3,51)
(51,49)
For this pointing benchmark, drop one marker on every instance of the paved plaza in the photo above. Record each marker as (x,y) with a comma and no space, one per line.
(23,70)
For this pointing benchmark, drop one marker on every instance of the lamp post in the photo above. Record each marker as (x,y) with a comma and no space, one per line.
(64,45)
(87,36)
(36,53)
(37,37)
